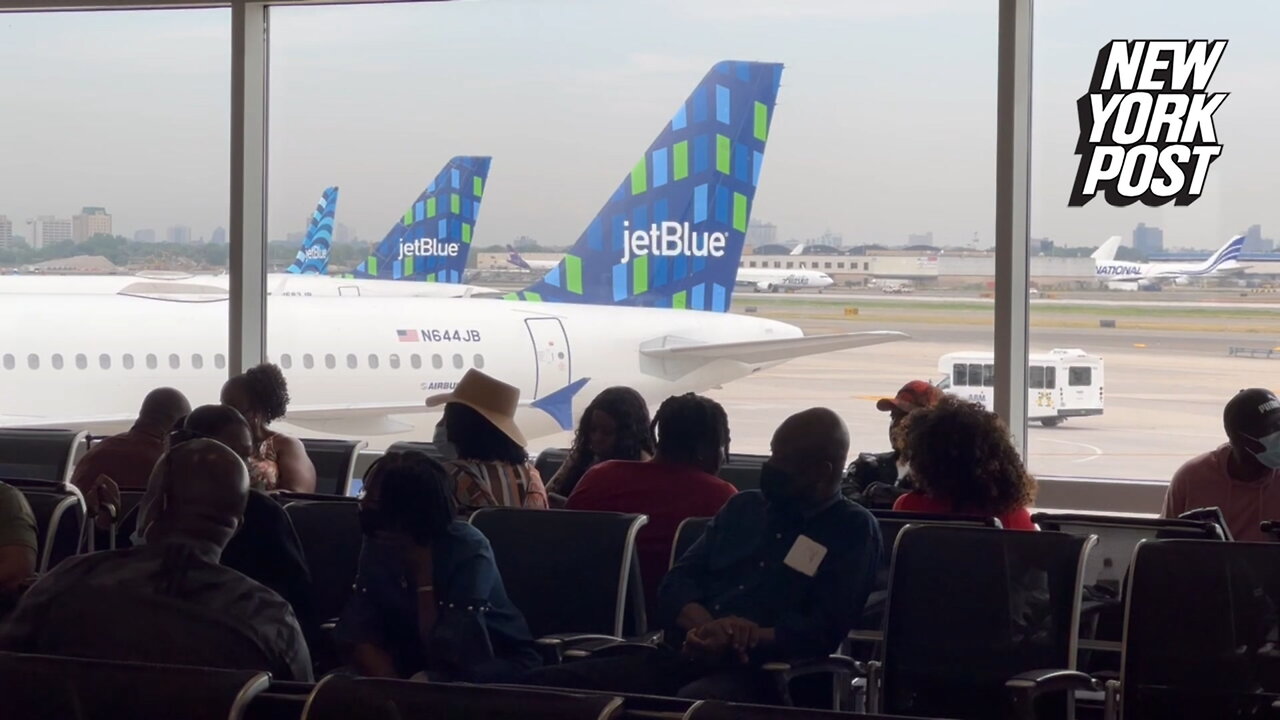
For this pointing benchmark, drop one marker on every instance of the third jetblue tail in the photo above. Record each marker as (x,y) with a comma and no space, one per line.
(672,233)
(431,241)
(313,257)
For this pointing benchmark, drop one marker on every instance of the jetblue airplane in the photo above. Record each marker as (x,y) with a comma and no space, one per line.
(381,356)
(313,256)
(1223,262)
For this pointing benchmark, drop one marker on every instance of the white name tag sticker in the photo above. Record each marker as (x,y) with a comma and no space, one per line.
(805,556)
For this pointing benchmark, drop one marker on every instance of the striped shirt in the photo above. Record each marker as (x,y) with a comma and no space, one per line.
(495,484)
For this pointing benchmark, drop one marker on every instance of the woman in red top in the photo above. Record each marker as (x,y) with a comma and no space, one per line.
(963,463)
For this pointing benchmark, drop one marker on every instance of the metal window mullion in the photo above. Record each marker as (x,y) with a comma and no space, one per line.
(1013,186)
(248,245)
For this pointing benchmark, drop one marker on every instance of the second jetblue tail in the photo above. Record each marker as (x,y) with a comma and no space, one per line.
(313,257)
(431,241)
(672,233)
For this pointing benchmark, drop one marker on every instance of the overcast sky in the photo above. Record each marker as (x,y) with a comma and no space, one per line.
(885,124)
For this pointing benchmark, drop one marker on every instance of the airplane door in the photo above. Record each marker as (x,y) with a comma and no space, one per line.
(551,355)
(349,291)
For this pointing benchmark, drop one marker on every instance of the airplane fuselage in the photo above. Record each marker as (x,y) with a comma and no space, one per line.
(281,284)
(769,279)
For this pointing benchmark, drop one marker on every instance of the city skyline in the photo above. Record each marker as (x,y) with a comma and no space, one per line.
(873,151)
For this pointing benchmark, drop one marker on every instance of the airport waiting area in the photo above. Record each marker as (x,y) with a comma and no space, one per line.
(177,570)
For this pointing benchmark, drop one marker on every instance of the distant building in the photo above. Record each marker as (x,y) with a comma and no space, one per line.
(144,236)
(91,221)
(761,233)
(6,232)
(219,236)
(826,239)
(1147,240)
(179,234)
(924,238)
(48,230)
(1255,243)
(524,242)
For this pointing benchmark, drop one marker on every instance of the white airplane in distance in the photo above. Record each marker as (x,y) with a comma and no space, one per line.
(1132,275)
(605,316)
(515,258)
(775,279)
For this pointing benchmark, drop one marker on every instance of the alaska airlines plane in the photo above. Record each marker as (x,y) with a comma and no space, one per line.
(1222,262)
(775,279)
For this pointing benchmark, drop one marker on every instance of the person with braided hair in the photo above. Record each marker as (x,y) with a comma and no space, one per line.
(279,461)
(680,482)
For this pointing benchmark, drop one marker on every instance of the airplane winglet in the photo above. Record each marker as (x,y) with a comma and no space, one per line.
(559,404)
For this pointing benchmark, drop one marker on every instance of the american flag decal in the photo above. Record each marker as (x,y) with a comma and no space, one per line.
(407,335)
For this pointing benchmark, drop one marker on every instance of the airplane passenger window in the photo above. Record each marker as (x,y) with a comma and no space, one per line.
(1077,376)
(220,361)
(437,362)
(478,362)
(82,362)
(8,362)
(33,361)
(197,361)
(57,361)
(395,361)
(308,361)
(127,361)
(286,361)
(104,361)
(152,362)
(175,362)
(351,361)
(457,361)
(416,362)
(330,361)
(373,361)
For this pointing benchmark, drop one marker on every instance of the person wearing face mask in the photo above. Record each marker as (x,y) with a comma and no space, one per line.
(1239,477)
(877,479)
(780,574)
(680,482)
(170,601)
(615,426)
(428,596)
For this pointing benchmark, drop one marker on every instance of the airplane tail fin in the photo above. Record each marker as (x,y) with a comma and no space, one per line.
(798,249)
(313,256)
(430,243)
(1106,252)
(1225,255)
(514,258)
(672,233)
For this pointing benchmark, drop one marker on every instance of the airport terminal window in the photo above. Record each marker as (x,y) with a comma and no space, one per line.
(373,361)
(82,361)
(8,362)
(57,361)
(127,361)
(286,361)
(175,362)
(33,361)
(478,362)
(394,361)
(308,361)
(330,361)
(352,362)
(152,362)
(416,361)
(1078,376)
(437,362)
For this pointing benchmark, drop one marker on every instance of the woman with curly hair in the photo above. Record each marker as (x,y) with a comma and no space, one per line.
(278,462)
(963,463)
(615,426)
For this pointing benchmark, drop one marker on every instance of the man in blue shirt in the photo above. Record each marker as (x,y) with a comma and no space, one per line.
(781,574)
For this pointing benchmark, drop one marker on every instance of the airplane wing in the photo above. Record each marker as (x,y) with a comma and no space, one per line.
(764,351)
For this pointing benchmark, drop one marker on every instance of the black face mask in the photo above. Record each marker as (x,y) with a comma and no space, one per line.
(776,484)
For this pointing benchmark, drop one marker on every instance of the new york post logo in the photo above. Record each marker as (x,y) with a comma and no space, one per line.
(1146,124)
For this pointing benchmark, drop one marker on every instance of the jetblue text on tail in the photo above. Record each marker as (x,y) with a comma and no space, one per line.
(1146,124)
(670,238)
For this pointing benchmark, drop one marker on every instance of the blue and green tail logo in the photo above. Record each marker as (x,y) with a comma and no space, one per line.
(673,232)
(430,242)
(313,257)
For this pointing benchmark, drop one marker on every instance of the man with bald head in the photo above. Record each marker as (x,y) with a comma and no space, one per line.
(169,601)
(780,574)
(127,458)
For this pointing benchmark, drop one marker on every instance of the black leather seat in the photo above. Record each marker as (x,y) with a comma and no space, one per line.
(344,698)
(60,519)
(335,463)
(329,531)
(689,532)
(40,454)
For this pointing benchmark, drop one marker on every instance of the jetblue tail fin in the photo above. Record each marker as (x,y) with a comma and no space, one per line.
(672,233)
(513,257)
(313,257)
(1106,252)
(431,241)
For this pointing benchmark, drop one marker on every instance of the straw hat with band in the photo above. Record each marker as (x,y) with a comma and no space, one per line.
(495,400)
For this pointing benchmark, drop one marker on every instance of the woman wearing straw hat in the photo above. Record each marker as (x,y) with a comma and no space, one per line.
(492,468)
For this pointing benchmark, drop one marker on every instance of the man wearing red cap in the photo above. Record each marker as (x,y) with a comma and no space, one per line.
(876,478)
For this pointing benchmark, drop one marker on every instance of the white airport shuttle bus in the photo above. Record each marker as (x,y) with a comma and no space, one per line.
(1062,383)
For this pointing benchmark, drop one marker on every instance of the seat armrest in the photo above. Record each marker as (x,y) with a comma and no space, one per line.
(1025,688)
(554,648)
(841,668)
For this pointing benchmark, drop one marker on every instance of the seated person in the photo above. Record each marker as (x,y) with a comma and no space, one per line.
(781,574)
(963,463)
(680,483)
(877,479)
(615,426)
(422,572)
(492,468)
(170,601)
(279,461)
(18,546)
(127,458)
(1240,476)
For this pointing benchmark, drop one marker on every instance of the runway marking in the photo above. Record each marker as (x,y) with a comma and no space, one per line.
(1097,451)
